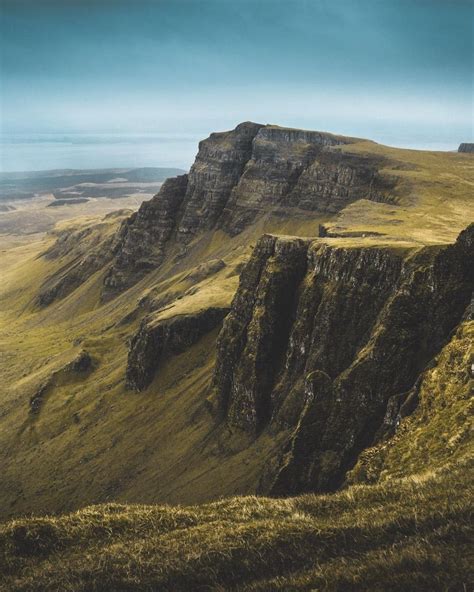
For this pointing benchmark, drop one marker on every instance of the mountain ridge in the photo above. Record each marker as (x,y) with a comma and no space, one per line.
(160,319)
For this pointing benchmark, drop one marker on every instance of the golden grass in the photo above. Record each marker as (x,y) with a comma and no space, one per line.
(407,535)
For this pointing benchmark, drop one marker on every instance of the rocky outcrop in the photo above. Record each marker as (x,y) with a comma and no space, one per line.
(253,340)
(161,337)
(298,169)
(237,176)
(466,147)
(77,367)
(141,241)
(218,168)
(321,339)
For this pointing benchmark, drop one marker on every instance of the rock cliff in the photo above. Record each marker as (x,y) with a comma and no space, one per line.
(321,340)
(237,176)
(140,244)
(159,337)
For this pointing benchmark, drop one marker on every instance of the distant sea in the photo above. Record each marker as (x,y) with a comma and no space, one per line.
(46,151)
(26,152)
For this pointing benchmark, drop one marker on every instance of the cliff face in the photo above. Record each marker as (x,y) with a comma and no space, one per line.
(322,340)
(236,177)
(141,241)
(158,338)
(218,167)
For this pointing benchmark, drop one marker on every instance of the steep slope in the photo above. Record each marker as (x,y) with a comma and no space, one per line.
(432,426)
(323,327)
(321,339)
(237,177)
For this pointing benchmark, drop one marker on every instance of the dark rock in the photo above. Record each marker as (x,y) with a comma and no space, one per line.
(141,241)
(236,177)
(157,339)
(467,147)
(36,400)
(218,168)
(252,343)
(363,323)
(82,363)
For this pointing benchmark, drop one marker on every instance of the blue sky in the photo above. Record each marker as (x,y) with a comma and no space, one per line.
(393,70)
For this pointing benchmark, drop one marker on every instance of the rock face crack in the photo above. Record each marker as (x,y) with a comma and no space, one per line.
(254,338)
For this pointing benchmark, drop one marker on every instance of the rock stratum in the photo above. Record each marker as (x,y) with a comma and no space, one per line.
(237,177)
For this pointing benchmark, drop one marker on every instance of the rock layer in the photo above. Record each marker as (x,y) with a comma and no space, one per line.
(320,340)
(237,176)
(141,241)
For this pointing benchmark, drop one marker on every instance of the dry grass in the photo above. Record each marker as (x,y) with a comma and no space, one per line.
(409,534)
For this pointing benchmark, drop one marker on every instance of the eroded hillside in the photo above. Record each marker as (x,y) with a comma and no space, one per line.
(255,327)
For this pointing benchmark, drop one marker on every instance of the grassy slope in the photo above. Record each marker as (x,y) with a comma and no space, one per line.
(434,196)
(410,531)
(95,442)
(153,444)
(408,534)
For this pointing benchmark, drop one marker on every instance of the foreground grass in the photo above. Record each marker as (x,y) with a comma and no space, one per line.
(407,534)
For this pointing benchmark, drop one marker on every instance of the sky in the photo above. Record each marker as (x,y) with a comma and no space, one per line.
(396,71)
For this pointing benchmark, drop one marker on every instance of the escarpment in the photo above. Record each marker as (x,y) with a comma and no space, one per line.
(322,350)
(238,176)
(219,165)
(467,147)
(253,340)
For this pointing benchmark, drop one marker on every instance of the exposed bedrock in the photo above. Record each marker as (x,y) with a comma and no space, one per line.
(237,176)
(466,147)
(297,169)
(158,338)
(140,244)
(321,339)
(218,167)
(252,343)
